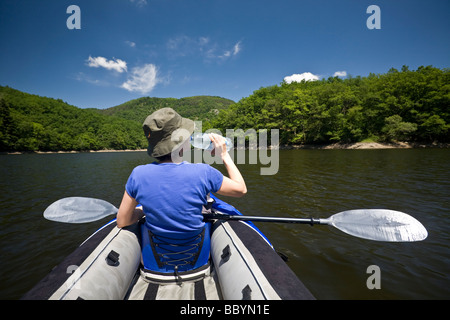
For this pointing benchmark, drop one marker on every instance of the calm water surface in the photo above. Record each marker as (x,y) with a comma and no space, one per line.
(315,183)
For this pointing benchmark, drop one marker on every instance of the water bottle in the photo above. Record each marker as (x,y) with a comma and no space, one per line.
(202,141)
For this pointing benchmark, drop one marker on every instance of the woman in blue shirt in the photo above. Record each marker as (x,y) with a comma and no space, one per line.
(172,193)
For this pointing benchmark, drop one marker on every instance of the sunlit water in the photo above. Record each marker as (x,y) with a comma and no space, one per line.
(316,183)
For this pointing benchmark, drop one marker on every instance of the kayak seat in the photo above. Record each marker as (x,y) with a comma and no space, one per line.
(167,254)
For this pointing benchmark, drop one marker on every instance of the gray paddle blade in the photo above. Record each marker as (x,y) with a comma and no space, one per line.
(379,224)
(79,210)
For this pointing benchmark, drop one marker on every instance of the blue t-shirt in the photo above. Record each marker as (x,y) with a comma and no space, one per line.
(172,194)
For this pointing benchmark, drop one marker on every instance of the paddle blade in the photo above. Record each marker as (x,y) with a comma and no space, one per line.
(379,225)
(79,210)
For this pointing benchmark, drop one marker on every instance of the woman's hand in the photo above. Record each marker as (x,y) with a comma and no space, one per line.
(234,185)
(220,146)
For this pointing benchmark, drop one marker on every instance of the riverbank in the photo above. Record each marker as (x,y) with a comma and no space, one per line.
(338,145)
(62,152)
(368,145)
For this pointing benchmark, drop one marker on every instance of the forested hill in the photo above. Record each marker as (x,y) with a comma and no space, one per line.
(34,123)
(203,108)
(405,105)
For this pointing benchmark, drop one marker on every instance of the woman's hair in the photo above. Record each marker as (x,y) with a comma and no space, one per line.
(164,158)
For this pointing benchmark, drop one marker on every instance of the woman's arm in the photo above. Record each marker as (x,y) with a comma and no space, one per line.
(128,214)
(234,185)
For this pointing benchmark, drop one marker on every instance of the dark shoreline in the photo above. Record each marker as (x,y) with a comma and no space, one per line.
(370,145)
(341,146)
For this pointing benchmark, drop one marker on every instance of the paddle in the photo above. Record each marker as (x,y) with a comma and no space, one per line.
(79,210)
(373,224)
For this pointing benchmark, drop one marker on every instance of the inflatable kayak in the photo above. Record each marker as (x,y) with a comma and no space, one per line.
(243,265)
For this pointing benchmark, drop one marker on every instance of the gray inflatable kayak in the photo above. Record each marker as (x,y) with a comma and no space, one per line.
(243,265)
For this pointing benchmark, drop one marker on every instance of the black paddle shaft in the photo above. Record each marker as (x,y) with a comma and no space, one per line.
(227,217)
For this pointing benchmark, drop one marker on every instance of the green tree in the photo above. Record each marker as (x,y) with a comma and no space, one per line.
(396,129)
(434,127)
(7,128)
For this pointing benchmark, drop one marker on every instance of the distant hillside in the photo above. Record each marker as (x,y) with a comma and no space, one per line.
(203,108)
(406,105)
(34,123)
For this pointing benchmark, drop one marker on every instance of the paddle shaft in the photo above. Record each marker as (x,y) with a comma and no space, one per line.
(311,221)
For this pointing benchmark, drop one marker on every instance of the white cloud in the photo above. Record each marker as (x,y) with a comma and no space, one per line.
(237,48)
(340,74)
(226,54)
(307,76)
(131,43)
(116,64)
(229,53)
(139,3)
(175,44)
(142,79)
(184,46)
(203,41)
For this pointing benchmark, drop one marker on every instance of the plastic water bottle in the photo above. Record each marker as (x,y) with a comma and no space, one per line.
(202,141)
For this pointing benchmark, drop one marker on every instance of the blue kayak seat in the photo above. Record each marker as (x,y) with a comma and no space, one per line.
(169,254)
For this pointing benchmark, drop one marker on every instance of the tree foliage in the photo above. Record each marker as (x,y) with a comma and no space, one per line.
(201,108)
(33,123)
(399,105)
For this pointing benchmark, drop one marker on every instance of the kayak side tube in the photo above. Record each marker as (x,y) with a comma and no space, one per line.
(102,268)
(248,268)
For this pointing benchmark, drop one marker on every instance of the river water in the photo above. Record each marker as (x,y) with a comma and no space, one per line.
(309,183)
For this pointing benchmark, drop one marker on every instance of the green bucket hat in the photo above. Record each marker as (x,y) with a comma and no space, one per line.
(166,130)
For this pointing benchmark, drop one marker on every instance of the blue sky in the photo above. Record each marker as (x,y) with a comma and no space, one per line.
(128,49)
